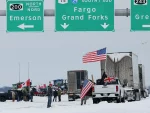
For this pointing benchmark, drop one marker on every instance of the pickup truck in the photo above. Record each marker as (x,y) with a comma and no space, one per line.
(3,96)
(8,95)
(109,91)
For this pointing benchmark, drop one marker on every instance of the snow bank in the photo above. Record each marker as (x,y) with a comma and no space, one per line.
(40,103)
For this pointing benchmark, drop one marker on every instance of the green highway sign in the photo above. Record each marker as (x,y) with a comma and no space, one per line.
(140,15)
(84,15)
(25,16)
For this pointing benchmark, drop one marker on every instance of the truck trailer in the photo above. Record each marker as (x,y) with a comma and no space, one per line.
(75,78)
(144,91)
(124,65)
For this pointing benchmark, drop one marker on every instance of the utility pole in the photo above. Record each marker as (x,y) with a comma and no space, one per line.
(19,72)
(28,69)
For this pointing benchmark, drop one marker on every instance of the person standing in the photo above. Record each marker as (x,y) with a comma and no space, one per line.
(13,96)
(17,95)
(87,95)
(55,96)
(49,94)
(31,95)
(59,94)
(84,99)
(24,91)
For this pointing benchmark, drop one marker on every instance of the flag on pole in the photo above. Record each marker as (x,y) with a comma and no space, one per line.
(42,86)
(109,79)
(27,83)
(86,87)
(95,56)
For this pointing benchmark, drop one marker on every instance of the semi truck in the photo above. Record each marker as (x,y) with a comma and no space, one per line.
(144,91)
(75,79)
(124,66)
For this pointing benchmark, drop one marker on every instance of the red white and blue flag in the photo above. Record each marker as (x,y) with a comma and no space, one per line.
(86,87)
(25,84)
(42,86)
(95,56)
(109,79)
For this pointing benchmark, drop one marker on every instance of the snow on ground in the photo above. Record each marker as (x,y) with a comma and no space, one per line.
(40,106)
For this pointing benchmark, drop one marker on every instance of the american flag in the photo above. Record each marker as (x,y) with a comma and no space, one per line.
(86,87)
(95,56)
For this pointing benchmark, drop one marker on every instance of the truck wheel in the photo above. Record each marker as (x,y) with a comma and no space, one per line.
(109,101)
(119,99)
(144,94)
(2,99)
(95,101)
(123,100)
(137,96)
(73,99)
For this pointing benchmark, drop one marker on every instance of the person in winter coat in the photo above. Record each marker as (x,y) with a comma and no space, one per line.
(55,96)
(18,96)
(24,91)
(59,94)
(84,99)
(31,95)
(49,94)
(103,78)
(13,96)
(88,94)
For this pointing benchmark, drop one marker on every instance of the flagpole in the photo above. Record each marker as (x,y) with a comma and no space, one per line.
(106,63)
(19,72)
(28,69)
(100,69)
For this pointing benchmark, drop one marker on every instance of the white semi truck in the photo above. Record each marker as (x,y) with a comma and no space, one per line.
(75,79)
(124,66)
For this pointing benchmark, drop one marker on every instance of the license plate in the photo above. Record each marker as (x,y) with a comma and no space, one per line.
(104,87)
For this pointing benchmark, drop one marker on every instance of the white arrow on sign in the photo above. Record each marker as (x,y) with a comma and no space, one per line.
(104,25)
(145,25)
(64,25)
(23,26)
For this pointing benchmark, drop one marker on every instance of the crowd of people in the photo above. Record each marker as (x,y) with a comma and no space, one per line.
(27,94)
(23,94)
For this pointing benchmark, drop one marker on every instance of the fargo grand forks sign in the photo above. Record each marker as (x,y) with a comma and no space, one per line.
(84,15)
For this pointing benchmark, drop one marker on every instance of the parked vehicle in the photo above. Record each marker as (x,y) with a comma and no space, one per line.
(8,95)
(3,96)
(75,78)
(109,91)
(144,91)
(124,65)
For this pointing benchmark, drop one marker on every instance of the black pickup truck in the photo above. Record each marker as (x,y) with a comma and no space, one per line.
(8,95)
(3,97)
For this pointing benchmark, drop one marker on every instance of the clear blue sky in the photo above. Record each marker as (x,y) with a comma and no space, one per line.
(51,54)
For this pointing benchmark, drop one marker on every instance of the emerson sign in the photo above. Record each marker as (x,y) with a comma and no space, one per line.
(25,16)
